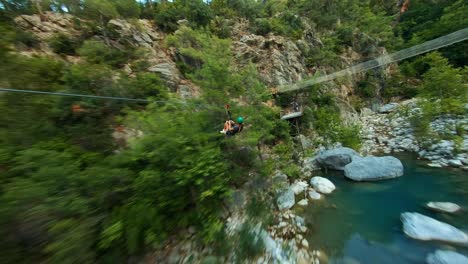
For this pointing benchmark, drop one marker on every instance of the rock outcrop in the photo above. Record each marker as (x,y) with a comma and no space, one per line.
(446,257)
(422,227)
(279,60)
(382,132)
(337,158)
(373,168)
(322,185)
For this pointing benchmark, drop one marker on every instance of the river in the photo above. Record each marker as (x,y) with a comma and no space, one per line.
(360,222)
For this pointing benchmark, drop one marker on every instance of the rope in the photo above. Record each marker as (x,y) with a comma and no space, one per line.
(427,46)
(77,95)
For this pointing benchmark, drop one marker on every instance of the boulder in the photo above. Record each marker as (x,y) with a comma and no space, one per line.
(286,199)
(443,207)
(373,168)
(422,227)
(303,202)
(446,257)
(388,108)
(168,72)
(455,163)
(336,158)
(322,185)
(310,164)
(299,187)
(315,195)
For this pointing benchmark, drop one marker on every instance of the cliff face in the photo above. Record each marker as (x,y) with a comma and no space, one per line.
(279,60)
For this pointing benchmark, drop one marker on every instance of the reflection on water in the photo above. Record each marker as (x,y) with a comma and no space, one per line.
(360,222)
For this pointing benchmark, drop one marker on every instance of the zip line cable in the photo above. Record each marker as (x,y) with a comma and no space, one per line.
(103,97)
(427,46)
(76,95)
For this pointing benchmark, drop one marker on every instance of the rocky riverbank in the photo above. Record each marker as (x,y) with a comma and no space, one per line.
(389,130)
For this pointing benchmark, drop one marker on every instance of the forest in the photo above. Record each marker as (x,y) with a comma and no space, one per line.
(71,193)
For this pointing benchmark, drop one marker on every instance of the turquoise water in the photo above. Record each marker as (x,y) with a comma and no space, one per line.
(360,222)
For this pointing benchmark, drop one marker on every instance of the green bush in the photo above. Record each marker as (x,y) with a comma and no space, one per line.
(99,53)
(64,44)
(249,245)
(26,38)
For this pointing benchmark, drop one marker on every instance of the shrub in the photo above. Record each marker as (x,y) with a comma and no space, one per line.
(99,53)
(26,38)
(64,44)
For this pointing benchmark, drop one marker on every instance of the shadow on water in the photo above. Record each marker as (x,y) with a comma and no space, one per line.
(361,221)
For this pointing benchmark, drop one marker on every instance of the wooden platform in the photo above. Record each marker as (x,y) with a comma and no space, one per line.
(291,115)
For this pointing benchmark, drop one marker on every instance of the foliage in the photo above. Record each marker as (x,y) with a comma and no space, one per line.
(250,245)
(26,38)
(99,53)
(127,8)
(100,10)
(63,44)
(425,21)
(197,12)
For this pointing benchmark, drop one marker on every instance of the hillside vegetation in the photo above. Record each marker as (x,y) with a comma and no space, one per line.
(90,180)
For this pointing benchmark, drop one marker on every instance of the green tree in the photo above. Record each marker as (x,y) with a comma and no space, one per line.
(127,8)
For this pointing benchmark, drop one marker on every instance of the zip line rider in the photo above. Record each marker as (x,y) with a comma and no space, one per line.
(230,127)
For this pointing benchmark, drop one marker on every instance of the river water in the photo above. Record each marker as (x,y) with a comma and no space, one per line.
(360,222)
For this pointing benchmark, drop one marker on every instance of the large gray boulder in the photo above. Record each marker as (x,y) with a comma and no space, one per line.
(336,158)
(373,168)
(422,227)
(286,199)
(446,257)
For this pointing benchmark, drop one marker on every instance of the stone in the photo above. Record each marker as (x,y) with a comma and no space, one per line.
(299,221)
(446,207)
(421,227)
(310,164)
(286,199)
(299,187)
(303,202)
(455,163)
(322,185)
(304,243)
(280,180)
(374,168)
(168,72)
(315,195)
(388,108)
(336,159)
(446,257)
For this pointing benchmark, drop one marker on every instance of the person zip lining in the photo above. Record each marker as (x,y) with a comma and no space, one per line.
(231,128)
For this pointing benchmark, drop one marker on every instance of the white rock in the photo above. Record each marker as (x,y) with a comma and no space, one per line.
(322,185)
(443,206)
(299,187)
(446,257)
(303,202)
(422,227)
(305,243)
(315,195)
(455,163)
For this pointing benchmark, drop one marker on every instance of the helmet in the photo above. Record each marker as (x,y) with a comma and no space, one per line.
(240,120)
